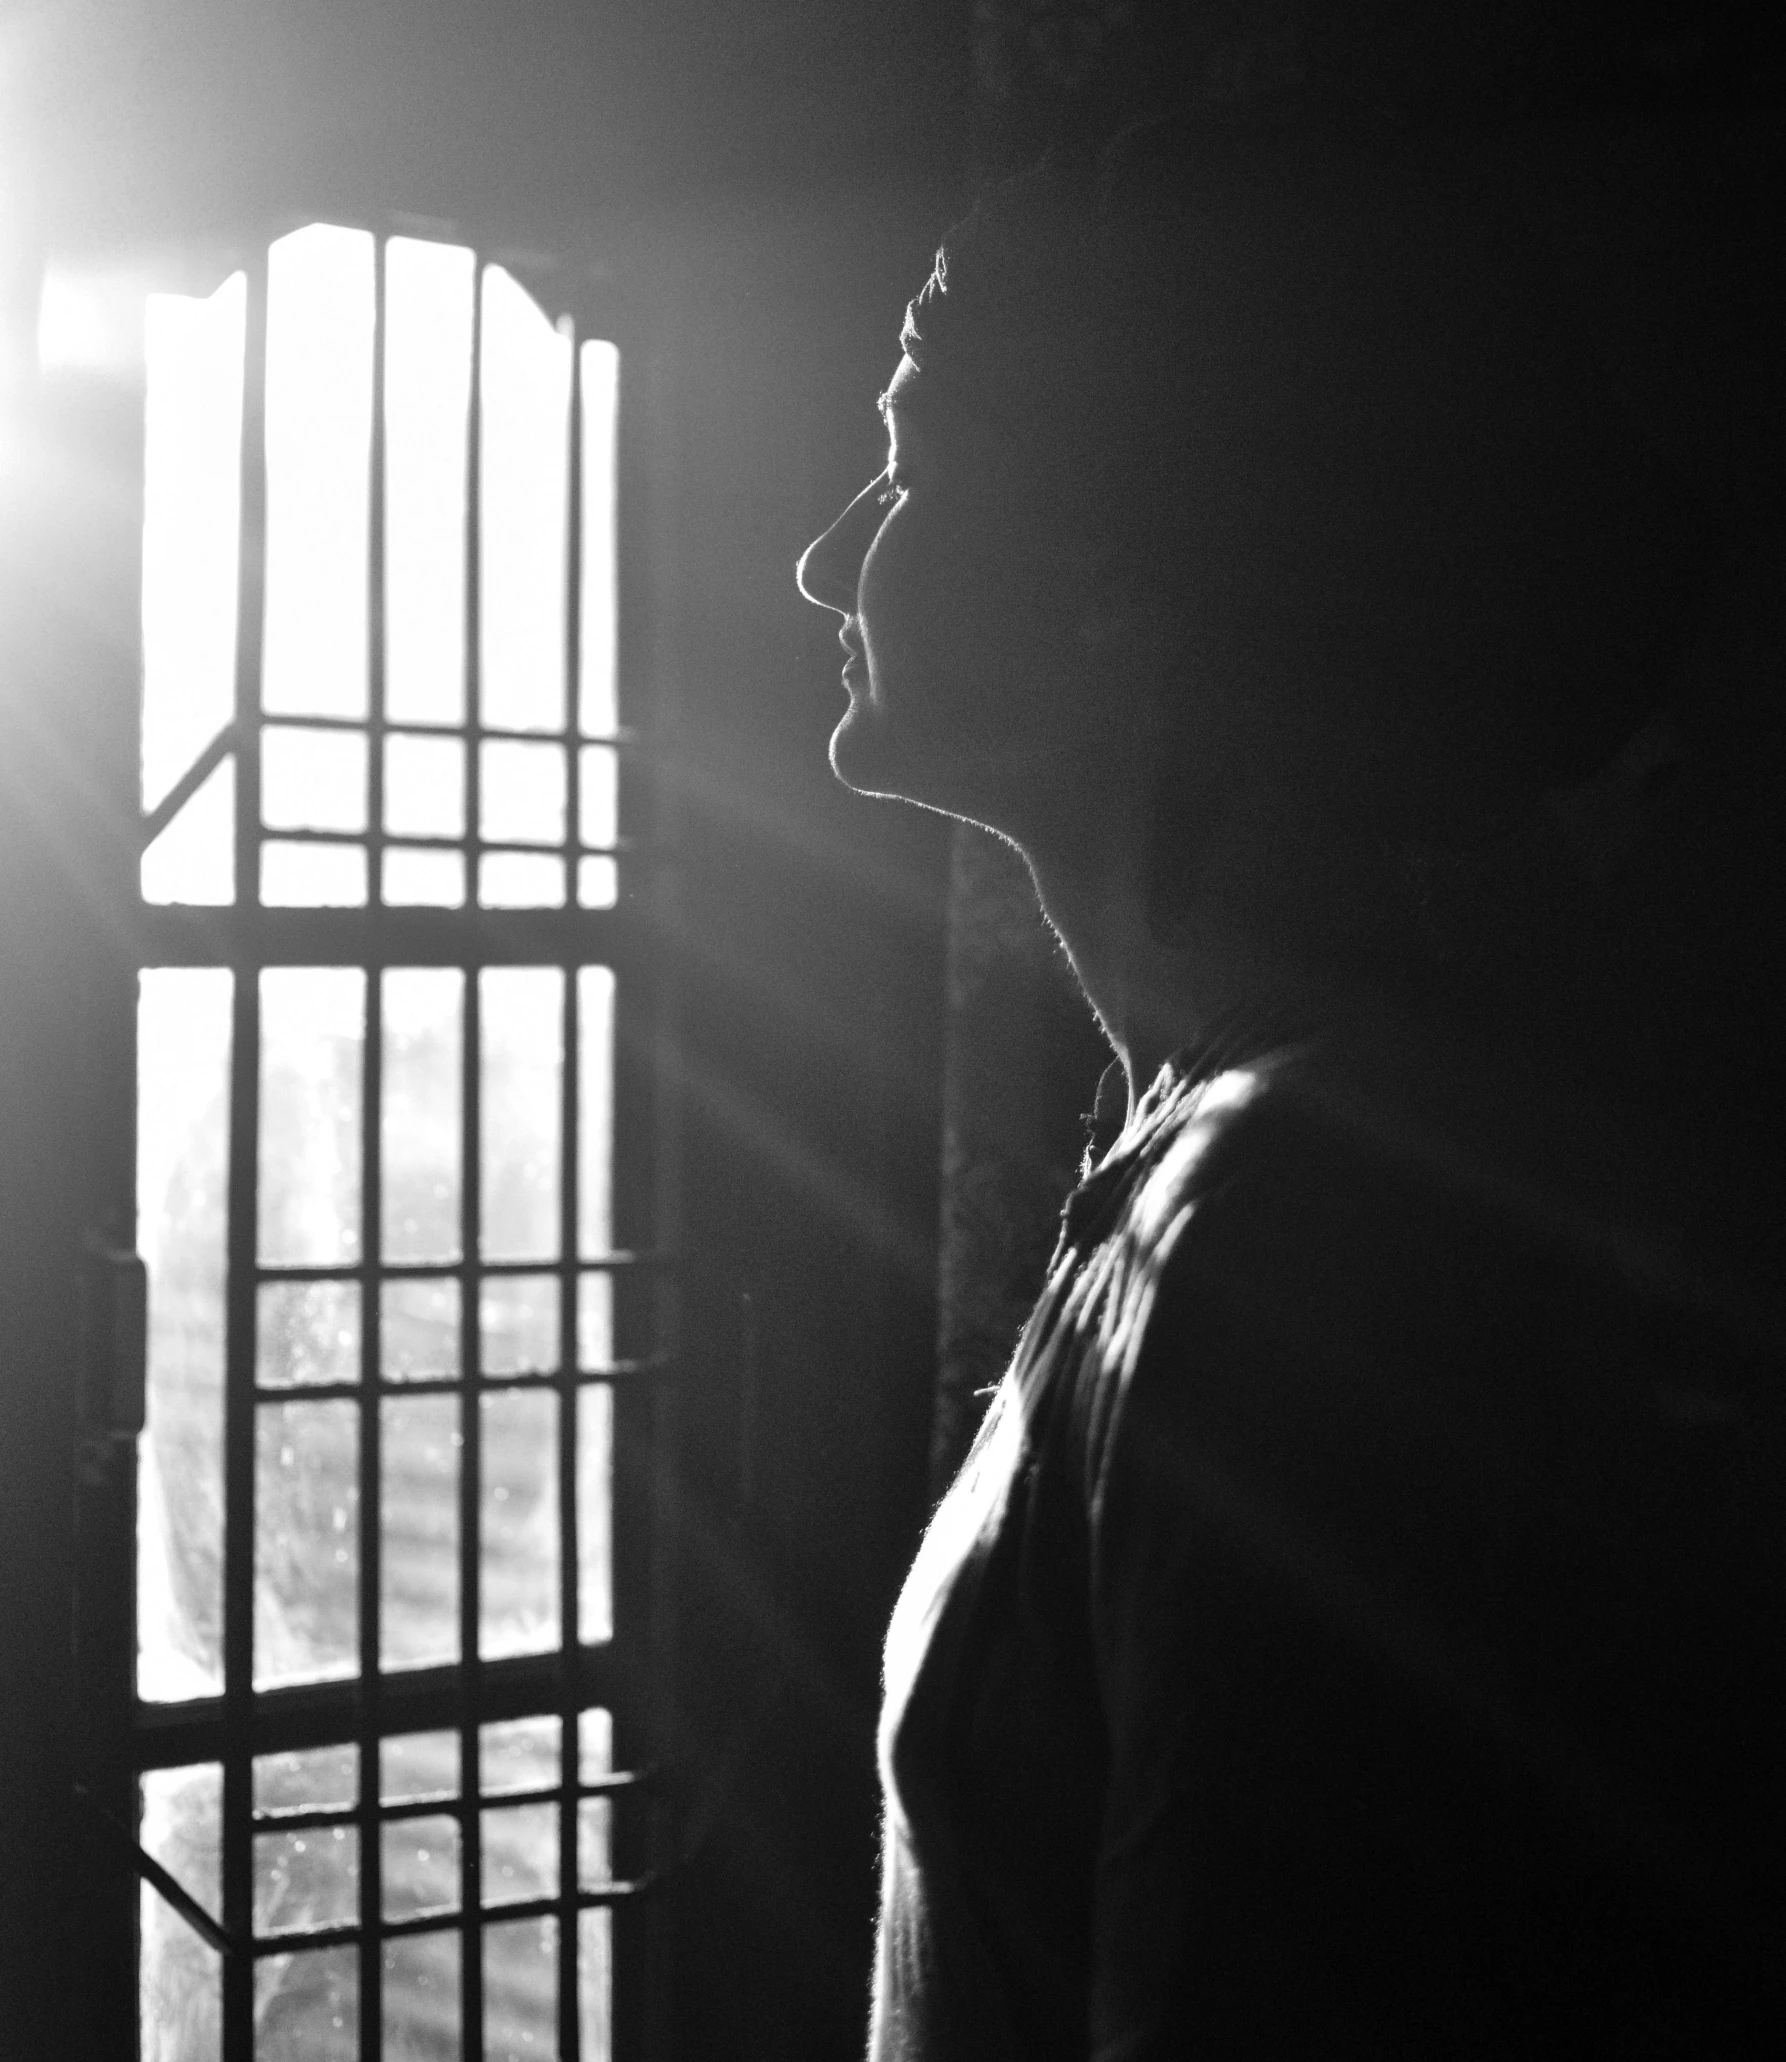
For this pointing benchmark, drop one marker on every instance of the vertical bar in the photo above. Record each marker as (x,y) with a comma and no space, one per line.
(471,1957)
(375,609)
(570,2027)
(243,1232)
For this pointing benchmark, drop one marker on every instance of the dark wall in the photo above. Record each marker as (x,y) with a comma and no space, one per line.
(760,186)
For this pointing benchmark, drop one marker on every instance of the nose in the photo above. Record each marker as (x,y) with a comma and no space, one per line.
(830,564)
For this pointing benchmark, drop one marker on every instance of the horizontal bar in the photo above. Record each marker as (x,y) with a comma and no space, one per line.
(454,1270)
(245,935)
(452,1385)
(410,726)
(303,1818)
(556,848)
(316,1937)
(410,1701)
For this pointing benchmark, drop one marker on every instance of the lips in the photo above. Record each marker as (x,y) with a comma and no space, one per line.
(856,665)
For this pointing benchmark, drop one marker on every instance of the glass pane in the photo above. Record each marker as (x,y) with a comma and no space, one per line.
(598,795)
(306,1879)
(424,786)
(523,1043)
(312,876)
(518,1315)
(525,392)
(595,1322)
(595,1745)
(421,1867)
(192,498)
(595,1111)
(595,1863)
(307,2007)
(311,1028)
(427,396)
(194,859)
(308,1332)
(421,1999)
(306,1564)
(521,1990)
(413,879)
(319,442)
(598,883)
(182,1176)
(519,1607)
(600,372)
(522,793)
(519,1754)
(595,1984)
(413,1767)
(312,780)
(182,1828)
(179,1987)
(520,880)
(312,1779)
(595,1512)
(423,1029)
(419,1578)
(419,1331)
(520,1854)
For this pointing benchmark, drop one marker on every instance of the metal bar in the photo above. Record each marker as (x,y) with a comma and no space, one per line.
(448,1385)
(569,2020)
(471,1959)
(298,720)
(157,819)
(312,1937)
(168,936)
(447,1270)
(242,1240)
(304,1819)
(132,1851)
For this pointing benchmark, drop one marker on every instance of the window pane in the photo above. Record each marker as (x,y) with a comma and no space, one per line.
(413,1767)
(310,1878)
(595,1322)
(595,1863)
(419,1578)
(595,1512)
(519,1607)
(520,1754)
(306,1564)
(182,1828)
(312,780)
(598,800)
(520,880)
(595,1745)
(179,1987)
(308,1332)
(523,1042)
(307,2007)
(598,883)
(182,1171)
(421,1115)
(319,441)
(192,495)
(518,1315)
(600,372)
(525,392)
(311,1779)
(311,1028)
(595,1984)
(522,790)
(414,879)
(595,1111)
(520,1990)
(520,1854)
(427,394)
(424,787)
(421,1999)
(421,1867)
(194,859)
(419,1331)
(312,876)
